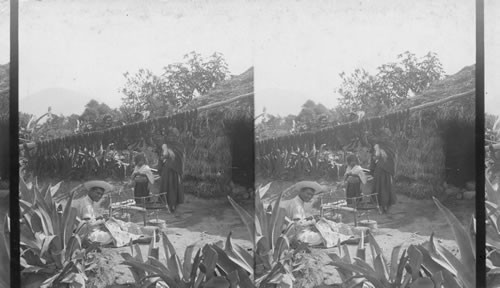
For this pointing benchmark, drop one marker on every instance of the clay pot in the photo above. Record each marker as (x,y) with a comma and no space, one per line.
(371,224)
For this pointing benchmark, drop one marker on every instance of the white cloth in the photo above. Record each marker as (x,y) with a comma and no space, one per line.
(145,170)
(294,208)
(357,170)
(328,233)
(119,232)
(84,207)
(310,237)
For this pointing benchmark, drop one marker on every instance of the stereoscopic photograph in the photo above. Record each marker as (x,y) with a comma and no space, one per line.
(249,143)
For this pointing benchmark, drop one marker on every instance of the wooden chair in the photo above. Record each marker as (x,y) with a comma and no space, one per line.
(129,205)
(357,205)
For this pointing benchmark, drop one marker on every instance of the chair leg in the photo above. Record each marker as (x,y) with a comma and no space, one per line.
(378,205)
(355,214)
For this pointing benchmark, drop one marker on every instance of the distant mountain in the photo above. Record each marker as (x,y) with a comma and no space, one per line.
(279,101)
(63,101)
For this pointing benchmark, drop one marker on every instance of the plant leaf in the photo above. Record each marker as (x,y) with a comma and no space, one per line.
(167,245)
(217,282)
(394,262)
(422,283)
(491,194)
(465,244)
(245,217)
(187,265)
(236,255)
(369,275)
(465,272)
(416,259)
(209,260)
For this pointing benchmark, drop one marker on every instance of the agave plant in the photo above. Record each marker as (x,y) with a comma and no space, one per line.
(273,260)
(5,254)
(212,266)
(463,267)
(426,265)
(492,205)
(51,251)
(406,270)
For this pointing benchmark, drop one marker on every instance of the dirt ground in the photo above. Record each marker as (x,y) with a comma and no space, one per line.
(197,221)
(420,217)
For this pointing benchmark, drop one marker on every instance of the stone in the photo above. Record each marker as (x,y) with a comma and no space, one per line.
(469,195)
(471,185)
(460,196)
(452,190)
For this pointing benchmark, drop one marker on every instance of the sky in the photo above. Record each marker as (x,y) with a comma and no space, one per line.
(303,48)
(4,32)
(298,48)
(492,57)
(86,46)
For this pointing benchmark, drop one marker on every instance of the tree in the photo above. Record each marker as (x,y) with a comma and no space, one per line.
(30,129)
(362,91)
(95,111)
(313,116)
(166,93)
(97,116)
(392,83)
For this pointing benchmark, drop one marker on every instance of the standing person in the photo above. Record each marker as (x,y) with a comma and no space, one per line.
(171,169)
(142,177)
(383,169)
(353,176)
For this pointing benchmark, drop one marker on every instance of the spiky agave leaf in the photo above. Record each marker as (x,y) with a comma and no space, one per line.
(245,217)
(239,255)
(466,265)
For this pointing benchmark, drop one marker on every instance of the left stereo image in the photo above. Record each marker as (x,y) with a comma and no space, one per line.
(136,144)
